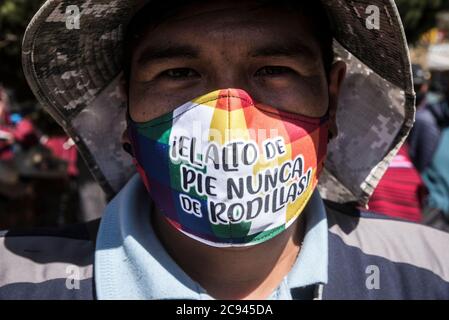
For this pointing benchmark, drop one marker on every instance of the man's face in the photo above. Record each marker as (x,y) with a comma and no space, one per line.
(270,53)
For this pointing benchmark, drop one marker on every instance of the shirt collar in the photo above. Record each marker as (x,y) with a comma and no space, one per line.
(131,263)
(311,266)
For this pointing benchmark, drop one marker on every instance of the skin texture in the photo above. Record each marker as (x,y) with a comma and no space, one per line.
(230,44)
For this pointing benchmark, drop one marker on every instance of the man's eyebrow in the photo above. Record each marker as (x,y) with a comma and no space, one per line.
(153,53)
(291,49)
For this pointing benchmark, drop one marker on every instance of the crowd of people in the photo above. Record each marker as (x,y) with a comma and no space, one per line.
(416,185)
(43,181)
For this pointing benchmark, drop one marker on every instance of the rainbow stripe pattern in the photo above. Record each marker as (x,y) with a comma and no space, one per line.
(228,171)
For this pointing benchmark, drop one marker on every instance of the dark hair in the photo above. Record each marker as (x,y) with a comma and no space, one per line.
(157,11)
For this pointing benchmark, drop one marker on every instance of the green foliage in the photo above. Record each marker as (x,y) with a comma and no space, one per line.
(14,17)
(418,16)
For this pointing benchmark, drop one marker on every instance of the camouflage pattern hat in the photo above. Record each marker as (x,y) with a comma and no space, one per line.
(75,70)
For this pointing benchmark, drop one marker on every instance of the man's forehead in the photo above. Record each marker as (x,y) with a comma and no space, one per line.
(267,47)
(248,23)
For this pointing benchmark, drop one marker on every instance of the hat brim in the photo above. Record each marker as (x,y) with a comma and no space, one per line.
(76,75)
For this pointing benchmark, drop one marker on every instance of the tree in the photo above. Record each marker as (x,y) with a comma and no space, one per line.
(14,18)
(419,16)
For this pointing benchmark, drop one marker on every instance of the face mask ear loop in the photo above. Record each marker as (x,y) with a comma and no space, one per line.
(325,119)
(127,147)
(128,115)
(326,116)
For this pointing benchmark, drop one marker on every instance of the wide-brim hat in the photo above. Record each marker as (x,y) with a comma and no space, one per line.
(75,70)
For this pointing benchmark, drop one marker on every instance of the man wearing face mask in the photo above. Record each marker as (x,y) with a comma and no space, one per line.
(213,127)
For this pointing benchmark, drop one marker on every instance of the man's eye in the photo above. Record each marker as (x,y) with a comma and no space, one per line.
(273,71)
(180,73)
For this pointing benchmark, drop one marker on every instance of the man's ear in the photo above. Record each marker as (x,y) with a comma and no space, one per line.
(126,143)
(336,78)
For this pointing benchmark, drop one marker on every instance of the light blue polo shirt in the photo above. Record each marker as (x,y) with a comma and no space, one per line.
(131,263)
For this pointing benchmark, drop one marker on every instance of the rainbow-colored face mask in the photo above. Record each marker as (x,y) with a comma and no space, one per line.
(227,171)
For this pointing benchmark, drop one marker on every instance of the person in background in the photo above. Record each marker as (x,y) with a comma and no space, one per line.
(81,186)
(6,136)
(85,190)
(400,192)
(421,79)
(33,165)
(15,130)
(431,116)
(15,196)
(429,149)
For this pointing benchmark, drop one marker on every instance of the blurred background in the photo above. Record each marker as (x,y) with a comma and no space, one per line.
(44,182)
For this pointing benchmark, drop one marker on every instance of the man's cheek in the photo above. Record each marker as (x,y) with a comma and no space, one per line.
(146,104)
(298,99)
(302,103)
